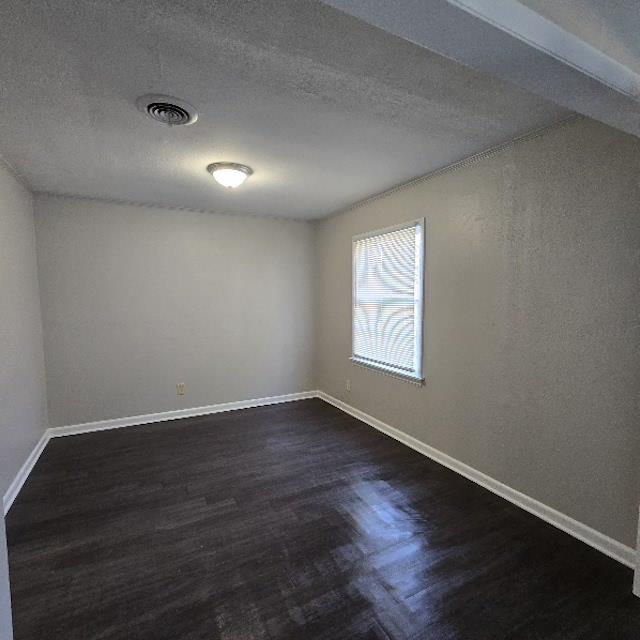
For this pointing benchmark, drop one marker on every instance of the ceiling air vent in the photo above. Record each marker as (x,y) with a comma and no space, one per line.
(167,110)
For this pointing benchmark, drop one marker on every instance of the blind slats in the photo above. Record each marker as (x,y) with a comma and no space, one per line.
(387,298)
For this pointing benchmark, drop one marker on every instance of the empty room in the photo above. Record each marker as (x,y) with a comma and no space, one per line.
(319,320)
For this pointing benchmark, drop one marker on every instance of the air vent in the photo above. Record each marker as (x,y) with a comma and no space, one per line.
(168,113)
(167,110)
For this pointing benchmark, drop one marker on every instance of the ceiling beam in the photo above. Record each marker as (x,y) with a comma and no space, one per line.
(512,42)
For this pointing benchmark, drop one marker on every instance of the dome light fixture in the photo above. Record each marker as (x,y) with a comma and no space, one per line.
(229,174)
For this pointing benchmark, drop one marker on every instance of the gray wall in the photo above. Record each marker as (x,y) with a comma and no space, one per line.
(6,632)
(136,299)
(23,409)
(532,338)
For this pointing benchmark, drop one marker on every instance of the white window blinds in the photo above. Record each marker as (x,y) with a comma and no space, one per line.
(388,268)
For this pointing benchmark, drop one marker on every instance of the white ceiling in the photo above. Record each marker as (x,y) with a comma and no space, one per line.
(581,54)
(326,108)
(612,26)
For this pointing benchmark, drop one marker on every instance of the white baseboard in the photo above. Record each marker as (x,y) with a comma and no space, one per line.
(23,474)
(601,542)
(117,423)
(163,416)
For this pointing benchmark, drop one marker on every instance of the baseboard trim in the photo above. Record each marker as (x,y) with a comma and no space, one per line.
(610,547)
(163,416)
(23,473)
(133,421)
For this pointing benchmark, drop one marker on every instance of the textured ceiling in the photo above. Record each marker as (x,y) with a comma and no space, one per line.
(325,108)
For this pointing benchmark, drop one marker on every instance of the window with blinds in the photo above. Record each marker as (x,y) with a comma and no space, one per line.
(388,285)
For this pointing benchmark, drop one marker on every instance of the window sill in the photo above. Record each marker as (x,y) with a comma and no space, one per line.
(389,371)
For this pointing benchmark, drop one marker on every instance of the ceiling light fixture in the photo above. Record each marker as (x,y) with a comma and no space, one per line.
(229,174)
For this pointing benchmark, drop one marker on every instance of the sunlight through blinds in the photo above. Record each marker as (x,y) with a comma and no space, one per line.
(387,299)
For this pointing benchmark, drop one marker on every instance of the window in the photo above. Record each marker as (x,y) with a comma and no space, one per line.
(388,284)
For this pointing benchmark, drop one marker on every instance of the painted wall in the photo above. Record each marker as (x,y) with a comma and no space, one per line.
(137,299)
(6,630)
(23,408)
(636,575)
(532,337)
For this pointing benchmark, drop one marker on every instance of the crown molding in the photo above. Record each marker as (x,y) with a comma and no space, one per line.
(459,164)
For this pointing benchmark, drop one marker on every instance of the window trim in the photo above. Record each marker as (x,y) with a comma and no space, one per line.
(380,367)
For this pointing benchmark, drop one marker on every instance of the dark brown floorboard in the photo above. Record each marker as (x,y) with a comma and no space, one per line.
(290,521)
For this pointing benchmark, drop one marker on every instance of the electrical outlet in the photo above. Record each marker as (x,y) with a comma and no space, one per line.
(181,389)
(348,385)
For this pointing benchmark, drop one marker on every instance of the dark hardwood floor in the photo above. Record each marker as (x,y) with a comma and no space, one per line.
(289,521)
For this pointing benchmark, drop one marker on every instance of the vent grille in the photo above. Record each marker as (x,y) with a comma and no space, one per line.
(168,113)
(167,110)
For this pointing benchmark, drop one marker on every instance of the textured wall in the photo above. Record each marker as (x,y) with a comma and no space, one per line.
(137,299)
(23,409)
(532,337)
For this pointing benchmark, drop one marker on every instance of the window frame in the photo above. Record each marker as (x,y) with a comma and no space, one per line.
(416,377)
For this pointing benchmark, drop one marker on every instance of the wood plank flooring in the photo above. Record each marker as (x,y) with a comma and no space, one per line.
(290,521)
